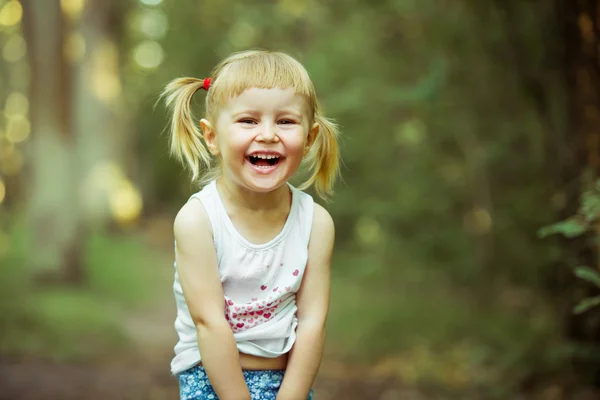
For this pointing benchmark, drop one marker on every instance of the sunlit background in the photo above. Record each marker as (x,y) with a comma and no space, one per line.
(467,127)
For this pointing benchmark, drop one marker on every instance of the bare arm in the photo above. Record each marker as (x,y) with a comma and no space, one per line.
(313,303)
(199,277)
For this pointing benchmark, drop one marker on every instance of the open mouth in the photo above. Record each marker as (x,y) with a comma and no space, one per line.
(264,160)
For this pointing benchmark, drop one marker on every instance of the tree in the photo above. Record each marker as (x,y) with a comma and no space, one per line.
(52,204)
(75,92)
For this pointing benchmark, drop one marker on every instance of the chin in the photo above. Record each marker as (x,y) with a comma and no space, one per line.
(264,184)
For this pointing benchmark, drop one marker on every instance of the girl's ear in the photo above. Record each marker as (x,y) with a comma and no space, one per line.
(312,135)
(210,137)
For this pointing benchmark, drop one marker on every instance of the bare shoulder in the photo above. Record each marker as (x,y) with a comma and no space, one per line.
(322,219)
(192,221)
(323,229)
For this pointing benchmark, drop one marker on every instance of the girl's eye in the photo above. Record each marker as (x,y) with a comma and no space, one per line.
(246,121)
(286,122)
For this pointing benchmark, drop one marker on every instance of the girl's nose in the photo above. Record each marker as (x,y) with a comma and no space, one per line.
(268,134)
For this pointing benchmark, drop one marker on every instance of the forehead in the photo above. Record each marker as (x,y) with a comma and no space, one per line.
(268,99)
(263,71)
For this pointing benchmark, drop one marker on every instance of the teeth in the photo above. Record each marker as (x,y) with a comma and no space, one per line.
(264,156)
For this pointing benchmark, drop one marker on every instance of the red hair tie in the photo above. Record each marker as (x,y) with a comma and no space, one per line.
(206,84)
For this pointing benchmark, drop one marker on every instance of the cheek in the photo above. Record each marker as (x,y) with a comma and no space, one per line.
(296,144)
(233,146)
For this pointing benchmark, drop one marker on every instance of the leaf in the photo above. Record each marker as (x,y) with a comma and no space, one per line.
(590,205)
(588,274)
(570,227)
(586,304)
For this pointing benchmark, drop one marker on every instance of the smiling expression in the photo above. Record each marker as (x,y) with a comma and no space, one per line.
(261,137)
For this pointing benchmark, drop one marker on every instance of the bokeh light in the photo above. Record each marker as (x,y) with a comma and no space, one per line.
(14,49)
(74,47)
(125,203)
(72,8)
(11,13)
(477,221)
(411,133)
(294,8)
(18,128)
(151,2)
(16,104)
(105,81)
(153,23)
(125,200)
(148,54)
(368,230)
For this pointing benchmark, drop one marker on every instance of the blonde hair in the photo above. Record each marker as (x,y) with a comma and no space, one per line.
(233,75)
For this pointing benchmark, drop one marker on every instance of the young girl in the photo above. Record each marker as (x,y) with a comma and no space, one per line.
(252,252)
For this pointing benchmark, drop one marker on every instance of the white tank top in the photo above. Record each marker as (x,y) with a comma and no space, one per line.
(259,282)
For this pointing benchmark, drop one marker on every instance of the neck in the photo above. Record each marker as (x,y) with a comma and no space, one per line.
(250,200)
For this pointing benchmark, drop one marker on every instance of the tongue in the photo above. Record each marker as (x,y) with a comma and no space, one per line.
(262,162)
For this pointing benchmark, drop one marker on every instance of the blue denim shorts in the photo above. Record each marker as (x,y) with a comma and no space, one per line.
(263,385)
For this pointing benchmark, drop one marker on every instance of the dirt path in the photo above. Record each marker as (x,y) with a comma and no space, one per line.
(143,373)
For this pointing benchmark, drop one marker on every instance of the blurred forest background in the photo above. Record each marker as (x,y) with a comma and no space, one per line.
(468,128)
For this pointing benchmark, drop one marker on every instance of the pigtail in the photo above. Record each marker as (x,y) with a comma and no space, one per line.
(187,143)
(324,159)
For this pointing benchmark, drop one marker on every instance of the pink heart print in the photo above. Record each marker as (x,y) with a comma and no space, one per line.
(296,272)
(267,315)
(230,302)
(254,298)
(277,287)
(263,287)
(287,288)
(240,324)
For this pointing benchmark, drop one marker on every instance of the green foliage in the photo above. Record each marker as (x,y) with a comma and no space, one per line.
(570,228)
(589,275)
(580,224)
(73,323)
(586,304)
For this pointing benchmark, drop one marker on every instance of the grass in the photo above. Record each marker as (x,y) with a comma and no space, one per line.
(429,331)
(66,323)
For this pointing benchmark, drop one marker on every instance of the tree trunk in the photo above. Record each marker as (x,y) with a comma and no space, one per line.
(98,117)
(52,196)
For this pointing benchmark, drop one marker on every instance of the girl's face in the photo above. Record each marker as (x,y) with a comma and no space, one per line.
(261,137)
